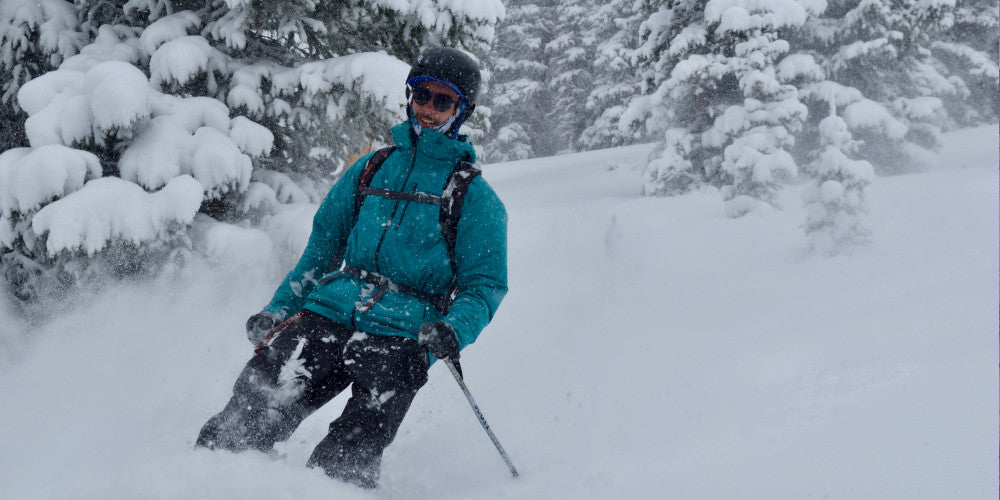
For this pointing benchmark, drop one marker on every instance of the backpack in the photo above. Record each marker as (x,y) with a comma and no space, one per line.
(450,201)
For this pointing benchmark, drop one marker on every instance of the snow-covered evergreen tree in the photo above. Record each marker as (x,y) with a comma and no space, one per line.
(728,83)
(686,84)
(835,201)
(968,54)
(756,134)
(174,122)
(122,209)
(895,55)
(297,70)
(571,55)
(561,73)
(35,37)
(615,72)
(727,116)
(519,98)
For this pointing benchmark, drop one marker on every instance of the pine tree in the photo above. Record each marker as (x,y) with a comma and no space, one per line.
(967,54)
(836,200)
(616,75)
(559,66)
(571,55)
(757,134)
(687,84)
(35,37)
(519,95)
(883,50)
(727,116)
(294,72)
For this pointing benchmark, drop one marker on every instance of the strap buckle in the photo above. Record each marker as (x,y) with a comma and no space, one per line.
(384,285)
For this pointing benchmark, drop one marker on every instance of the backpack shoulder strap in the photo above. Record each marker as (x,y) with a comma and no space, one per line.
(454,195)
(374,163)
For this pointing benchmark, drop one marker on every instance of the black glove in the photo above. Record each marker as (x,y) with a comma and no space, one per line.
(439,338)
(260,324)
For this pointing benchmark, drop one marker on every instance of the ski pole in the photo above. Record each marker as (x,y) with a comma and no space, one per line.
(482,420)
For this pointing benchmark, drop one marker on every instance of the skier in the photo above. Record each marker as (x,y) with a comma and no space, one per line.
(406,263)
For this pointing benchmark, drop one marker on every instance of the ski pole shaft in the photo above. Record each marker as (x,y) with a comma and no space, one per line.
(479,415)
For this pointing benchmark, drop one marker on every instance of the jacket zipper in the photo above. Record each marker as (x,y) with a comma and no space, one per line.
(395,208)
(406,207)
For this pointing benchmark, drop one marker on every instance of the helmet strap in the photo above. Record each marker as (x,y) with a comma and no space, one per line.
(461,114)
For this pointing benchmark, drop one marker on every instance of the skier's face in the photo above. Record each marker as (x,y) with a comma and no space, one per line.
(427,114)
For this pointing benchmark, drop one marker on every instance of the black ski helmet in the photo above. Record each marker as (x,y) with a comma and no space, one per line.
(449,66)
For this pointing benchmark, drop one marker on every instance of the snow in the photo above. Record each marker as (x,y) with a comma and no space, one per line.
(52,21)
(649,348)
(981,64)
(195,112)
(693,35)
(194,136)
(800,66)
(108,46)
(217,163)
(110,208)
(68,106)
(864,48)
(233,247)
(180,60)
(748,15)
(168,28)
(373,75)
(29,178)
(828,91)
(251,137)
(119,95)
(868,114)
(924,108)
(243,91)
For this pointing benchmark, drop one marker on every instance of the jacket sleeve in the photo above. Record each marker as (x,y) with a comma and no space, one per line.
(480,262)
(331,226)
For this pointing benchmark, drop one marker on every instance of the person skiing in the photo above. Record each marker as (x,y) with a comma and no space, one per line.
(406,263)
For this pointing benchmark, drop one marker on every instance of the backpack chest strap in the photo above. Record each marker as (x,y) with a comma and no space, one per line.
(399,195)
(383,285)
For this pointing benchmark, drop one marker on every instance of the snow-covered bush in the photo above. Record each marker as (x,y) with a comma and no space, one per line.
(835,201)
(669,169)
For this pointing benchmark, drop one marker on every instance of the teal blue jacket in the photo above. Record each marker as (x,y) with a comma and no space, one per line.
(403,241)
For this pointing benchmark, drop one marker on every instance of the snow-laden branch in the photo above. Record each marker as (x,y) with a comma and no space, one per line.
(111,209)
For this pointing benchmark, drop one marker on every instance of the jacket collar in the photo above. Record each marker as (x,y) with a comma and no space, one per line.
(433,144)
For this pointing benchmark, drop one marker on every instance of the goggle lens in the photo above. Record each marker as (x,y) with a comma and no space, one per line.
(441,102)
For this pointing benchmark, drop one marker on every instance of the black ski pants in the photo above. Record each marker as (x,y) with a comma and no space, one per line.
(309,362)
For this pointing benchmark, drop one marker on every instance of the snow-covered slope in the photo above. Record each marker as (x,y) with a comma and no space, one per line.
(649,348)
